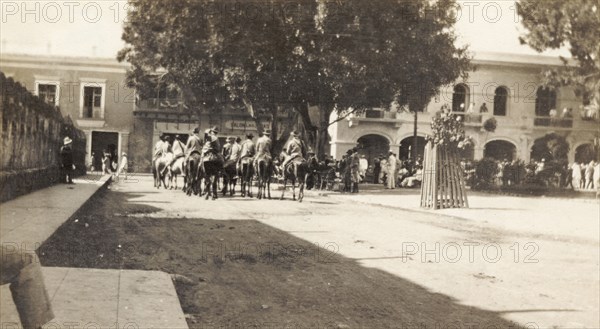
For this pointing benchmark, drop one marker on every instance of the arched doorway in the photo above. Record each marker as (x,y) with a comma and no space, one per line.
(372,146)
(406,147)
(500,150)
(585,153)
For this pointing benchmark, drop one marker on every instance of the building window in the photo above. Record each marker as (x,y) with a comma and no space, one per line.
(459,98)
(545,101)
(48,91)
(500,100)
(92,100)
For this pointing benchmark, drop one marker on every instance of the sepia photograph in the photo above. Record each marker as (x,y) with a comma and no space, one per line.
(300,164)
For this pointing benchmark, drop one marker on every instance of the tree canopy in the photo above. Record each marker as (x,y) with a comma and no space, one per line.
(278,55)
(574,24)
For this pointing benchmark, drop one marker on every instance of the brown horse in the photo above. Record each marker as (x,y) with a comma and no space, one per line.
(193,175)
(211,171)
(229,177)
(264,171)
(296,170)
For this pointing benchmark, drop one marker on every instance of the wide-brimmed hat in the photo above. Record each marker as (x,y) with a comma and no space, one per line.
(67,140)
(267,132)
(215,129)
(295,133)
(231,139)
(249,135)
(310,151)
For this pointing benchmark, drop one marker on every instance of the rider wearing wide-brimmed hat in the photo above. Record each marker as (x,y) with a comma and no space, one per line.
(295,148)
(226,149)
(161,147)
(212,148)
(248,150)
(263,146)
(178,150)
(194,144)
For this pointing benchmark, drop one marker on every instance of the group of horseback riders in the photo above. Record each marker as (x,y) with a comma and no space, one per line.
(200,157)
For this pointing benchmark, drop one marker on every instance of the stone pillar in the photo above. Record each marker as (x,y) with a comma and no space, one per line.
(478,152)
(124,139)
(525,148)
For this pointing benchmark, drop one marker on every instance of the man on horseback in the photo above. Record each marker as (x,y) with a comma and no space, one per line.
(263,147)
(178,152)
(236,149)
(211,150)
(248,150)
(295,148)
(161,148)
(194,144)
(227,148)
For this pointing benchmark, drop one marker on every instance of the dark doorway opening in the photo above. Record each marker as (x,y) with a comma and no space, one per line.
(372,146)
(406,147)
(104,142)
(500,150)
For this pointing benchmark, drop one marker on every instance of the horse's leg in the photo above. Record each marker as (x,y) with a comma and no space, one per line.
(249,181)
(215,186)
(284,186)
(301,192)
(294,182)
(207,187)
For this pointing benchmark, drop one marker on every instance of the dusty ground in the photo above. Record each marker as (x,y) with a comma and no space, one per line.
(334,262)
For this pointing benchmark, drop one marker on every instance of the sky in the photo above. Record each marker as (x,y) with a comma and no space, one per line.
(94,28)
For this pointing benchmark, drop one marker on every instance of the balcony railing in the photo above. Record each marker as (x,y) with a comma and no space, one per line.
(553,122)
(473,118)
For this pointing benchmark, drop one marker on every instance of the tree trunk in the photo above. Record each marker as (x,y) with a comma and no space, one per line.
(309,128)
(322,134)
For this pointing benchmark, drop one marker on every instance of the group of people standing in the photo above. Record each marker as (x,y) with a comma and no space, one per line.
(586,176)
(392,172)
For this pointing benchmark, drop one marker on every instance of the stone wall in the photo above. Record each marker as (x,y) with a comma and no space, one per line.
(32,133)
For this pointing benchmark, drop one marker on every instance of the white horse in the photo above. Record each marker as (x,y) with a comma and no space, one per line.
(174,170)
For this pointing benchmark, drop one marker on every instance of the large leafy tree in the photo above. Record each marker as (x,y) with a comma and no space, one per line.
(573,24)
(335,56)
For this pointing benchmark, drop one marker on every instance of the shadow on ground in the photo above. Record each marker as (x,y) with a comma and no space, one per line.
(242,273)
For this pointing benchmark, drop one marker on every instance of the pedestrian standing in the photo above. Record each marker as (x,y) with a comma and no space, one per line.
(384,170)
(376,169)
(363,167)
(392,169)
(122,166)
(354,170)
(589,175)
(66,157)
(576,175)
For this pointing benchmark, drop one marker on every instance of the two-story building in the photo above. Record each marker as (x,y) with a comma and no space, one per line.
(94,94)
(510,86)
(91,91)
